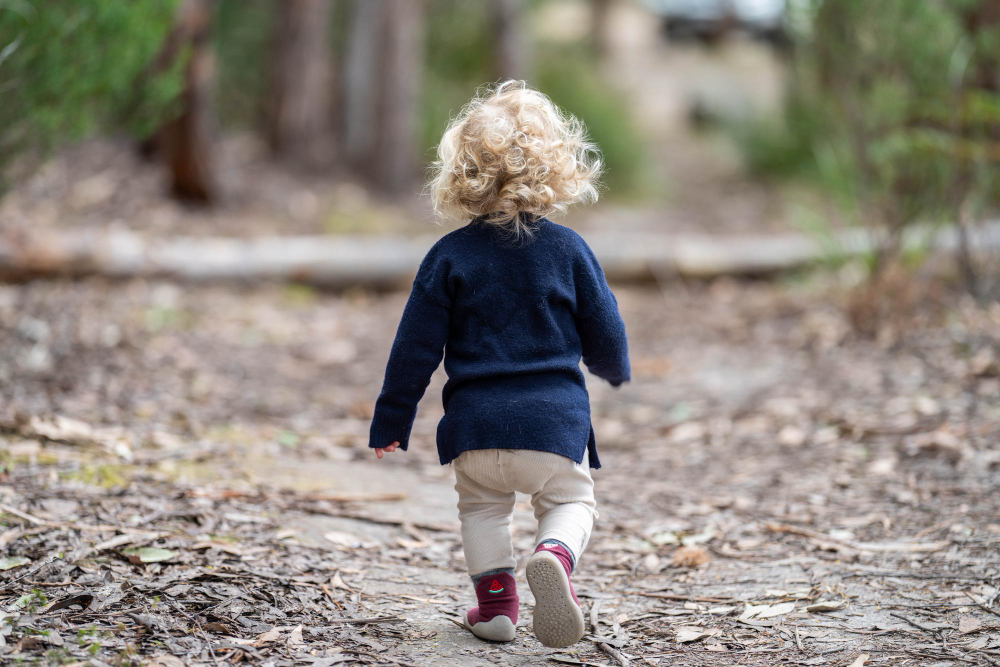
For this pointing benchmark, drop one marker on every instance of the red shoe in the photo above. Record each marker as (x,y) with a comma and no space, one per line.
(495,618)
(558,619)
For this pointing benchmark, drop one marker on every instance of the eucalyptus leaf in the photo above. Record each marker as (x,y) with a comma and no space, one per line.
(10,562)
(149,554)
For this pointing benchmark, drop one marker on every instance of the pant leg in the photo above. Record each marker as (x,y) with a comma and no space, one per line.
(565,506)
(485,509)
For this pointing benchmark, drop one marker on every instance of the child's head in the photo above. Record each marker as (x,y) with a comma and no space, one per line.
(513,156)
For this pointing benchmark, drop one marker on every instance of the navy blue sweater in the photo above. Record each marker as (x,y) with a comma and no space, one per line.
(512,319)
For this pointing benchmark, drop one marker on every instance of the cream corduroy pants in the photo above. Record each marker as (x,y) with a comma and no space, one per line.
(562,495)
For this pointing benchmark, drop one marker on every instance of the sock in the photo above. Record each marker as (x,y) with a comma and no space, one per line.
(565,557)
(476,578)
(563,554)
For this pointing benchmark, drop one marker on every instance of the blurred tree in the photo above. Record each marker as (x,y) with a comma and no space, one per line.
(382,82)
(299,104)
(600,15)
(898,104)
(976,129)
(186,140)
(360,71)
(509,40)
(69,69)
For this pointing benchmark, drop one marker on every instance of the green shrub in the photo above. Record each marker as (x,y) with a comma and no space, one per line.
(71,67)
(570,77)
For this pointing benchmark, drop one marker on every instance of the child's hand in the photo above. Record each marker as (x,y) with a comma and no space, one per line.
(390,448)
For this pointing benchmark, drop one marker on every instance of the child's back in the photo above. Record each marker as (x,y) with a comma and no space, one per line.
(513,317)
(512,302)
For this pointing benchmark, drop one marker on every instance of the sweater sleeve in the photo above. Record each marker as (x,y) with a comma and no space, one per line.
(600,325)
(416,353)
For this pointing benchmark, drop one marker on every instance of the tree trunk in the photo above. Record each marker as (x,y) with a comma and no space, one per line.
(600,37)
(382,80)
(298,118)
(360,92)
(509,41)
(368,260)
(398,111)
(187,139)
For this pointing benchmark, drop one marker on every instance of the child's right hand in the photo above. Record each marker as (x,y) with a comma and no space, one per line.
(390,448)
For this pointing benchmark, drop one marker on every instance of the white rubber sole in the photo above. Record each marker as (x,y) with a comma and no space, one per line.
(497,629)
(558,620)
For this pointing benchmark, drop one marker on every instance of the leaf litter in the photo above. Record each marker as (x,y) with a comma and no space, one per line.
(855,535)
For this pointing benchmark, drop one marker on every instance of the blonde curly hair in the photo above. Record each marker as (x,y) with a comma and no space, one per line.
(513,156)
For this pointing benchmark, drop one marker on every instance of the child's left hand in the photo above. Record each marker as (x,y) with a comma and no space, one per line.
(390,448)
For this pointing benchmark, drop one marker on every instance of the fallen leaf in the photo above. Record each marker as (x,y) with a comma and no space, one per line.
(984,363)
(706,535)
(165,661)
(968,624)
(221,546)
(791,436)
(76,432)
(777,610)
(860,660)
(691,556)
(138,555)
(722,611)
(766,610)
(271,635)
(342,539)
(689,633)
(664,537)
(336,581)
(651,562)
(295,637)
(827,605)
(10,562)
(83,601)
(218,628)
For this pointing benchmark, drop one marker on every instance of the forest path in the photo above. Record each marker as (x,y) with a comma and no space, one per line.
(802,464)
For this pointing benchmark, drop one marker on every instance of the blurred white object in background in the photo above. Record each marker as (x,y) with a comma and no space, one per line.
(713,19)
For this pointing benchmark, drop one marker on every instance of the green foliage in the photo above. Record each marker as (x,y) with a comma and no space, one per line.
(242,42)
(458,62)
(71,67)
(569,76)
(890,111)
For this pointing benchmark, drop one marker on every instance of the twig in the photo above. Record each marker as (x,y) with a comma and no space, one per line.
(233,494)
(613,652)
(435,527)
(595,611)
(48,561)
(798,639)
(680,598)
(912,575)
(24,515)
(925,628)
(981,605)
(201,631)
(329,594)
(380,658)
(364,621)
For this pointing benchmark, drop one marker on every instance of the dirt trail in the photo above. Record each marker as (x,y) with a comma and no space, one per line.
(808,466)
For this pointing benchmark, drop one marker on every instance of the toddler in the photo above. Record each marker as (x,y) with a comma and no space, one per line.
(512,301)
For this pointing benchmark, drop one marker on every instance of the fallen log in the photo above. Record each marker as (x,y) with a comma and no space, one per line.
(341,261)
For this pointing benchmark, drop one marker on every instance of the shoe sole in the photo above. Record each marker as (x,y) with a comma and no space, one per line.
(497,629)
(557,620)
